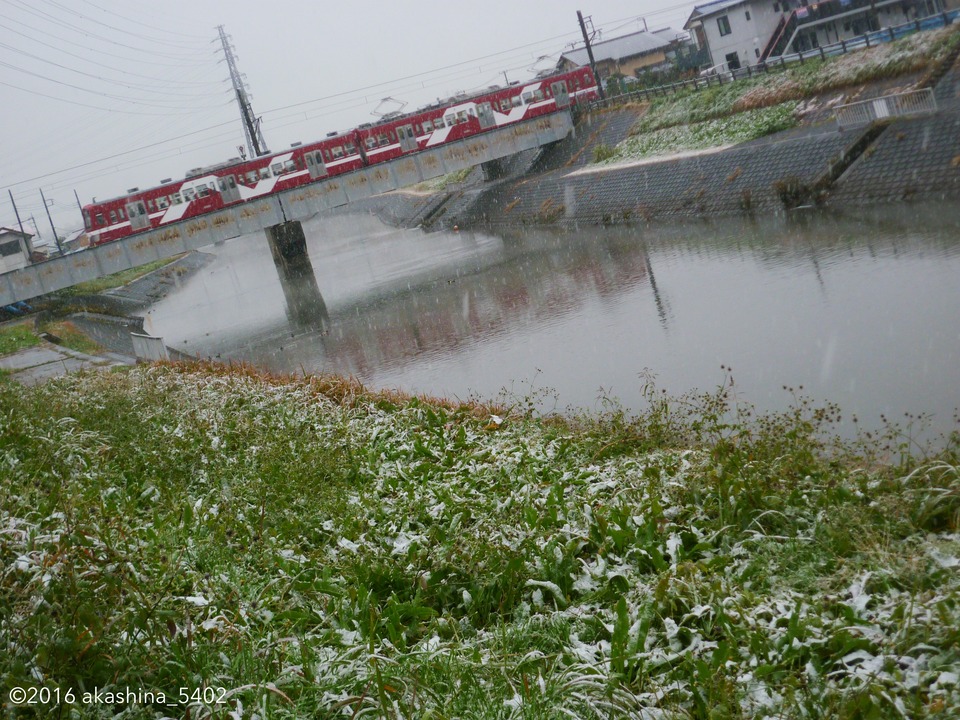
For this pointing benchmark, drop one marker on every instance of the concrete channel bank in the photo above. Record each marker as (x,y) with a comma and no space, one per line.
(909,159)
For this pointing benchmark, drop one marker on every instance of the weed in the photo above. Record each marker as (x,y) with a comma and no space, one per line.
(318,550)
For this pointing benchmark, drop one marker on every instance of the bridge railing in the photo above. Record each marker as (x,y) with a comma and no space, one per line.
(916,102)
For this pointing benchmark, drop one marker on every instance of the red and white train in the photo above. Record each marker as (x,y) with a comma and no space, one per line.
(209,189)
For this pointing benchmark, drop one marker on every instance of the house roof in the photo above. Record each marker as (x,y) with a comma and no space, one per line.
(6,231)
(710,8)
(638,43)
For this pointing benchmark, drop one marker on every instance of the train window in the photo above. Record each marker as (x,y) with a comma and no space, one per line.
(277,168)
(527,98)
(99,218)
(189,194)
(462,116)
(438,123)
(350,148)
(516,101)
(86,219)
(382,139)
(427,126)
(471,112)
(538,96)
(163,202)
(203,191)
(505,105)
(371,142)
(289,166)
(176,198)
(122,214)
(252,176)
(113,217)
(264,173)
(151,204)
(337,152)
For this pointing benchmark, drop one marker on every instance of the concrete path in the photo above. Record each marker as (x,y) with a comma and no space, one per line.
(45,361)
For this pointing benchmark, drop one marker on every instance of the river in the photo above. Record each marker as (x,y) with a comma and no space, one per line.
(861,309)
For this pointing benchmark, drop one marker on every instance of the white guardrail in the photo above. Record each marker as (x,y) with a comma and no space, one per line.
(915,102)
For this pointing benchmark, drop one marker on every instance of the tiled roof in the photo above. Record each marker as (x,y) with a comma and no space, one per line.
(626,46)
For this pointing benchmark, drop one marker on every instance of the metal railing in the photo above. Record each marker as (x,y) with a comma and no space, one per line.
(820,53)
(916,102)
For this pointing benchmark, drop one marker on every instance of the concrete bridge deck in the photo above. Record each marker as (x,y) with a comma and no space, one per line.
(289,206)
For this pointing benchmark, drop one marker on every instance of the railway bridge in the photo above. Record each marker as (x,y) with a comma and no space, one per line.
(280,215)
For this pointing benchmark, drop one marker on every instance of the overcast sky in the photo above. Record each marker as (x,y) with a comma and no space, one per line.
(105,95)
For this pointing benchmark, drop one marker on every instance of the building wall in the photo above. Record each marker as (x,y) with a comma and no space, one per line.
(13,253)
(747,38)
(626,66)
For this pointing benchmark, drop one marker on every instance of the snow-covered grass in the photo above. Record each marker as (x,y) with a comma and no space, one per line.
(320,551)
(753,107)
(728,130)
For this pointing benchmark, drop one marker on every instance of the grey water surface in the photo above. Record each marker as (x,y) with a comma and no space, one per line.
(862,309)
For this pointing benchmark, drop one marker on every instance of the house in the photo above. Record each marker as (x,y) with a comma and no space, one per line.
(15,249)
(738,33)
(627,55)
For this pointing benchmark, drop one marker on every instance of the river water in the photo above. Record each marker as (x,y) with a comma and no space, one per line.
(858,309)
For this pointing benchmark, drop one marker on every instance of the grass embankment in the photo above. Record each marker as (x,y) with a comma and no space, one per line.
(22,335)
(119,279)
(754,107)
(318,551)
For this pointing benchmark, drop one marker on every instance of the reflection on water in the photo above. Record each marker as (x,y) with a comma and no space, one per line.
(859,310)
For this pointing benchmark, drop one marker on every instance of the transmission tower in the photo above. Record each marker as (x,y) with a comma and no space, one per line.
(251,123)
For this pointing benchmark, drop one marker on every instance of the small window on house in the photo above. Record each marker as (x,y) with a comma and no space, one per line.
(724,24)
(747,13)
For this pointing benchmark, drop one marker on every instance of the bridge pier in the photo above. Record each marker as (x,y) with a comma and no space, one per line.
(288,245)
(492,169)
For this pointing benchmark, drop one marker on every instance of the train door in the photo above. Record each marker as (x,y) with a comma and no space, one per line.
(137,214)
(407,137)
(485,116)
(560,94)
(229,191)
(315,165)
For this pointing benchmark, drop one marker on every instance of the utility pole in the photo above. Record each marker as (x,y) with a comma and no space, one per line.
(46,207)
(78,200)
(251,123)
(593,64)
(16,212)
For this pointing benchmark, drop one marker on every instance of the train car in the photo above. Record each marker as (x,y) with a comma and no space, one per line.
(208,189)
(463,118)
